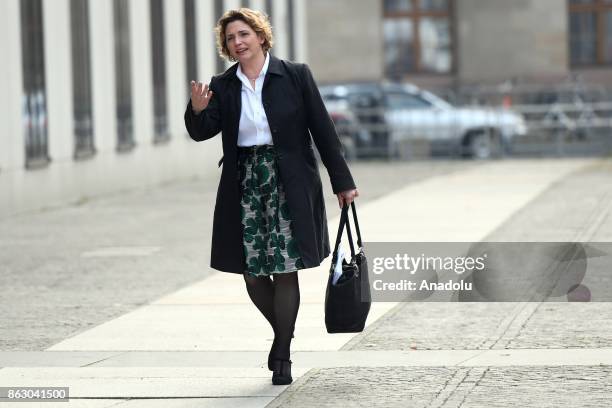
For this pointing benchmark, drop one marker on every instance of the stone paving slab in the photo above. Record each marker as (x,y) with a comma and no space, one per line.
(73,403)
(438,326)
(244,364)
(250,402)
(556,325)
(166,382)
(47,358)
(450,387)
(435,326)
(225,402)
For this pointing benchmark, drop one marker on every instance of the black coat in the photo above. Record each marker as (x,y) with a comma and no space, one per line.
(293,106)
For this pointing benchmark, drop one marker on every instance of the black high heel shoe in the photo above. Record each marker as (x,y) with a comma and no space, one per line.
(282,372)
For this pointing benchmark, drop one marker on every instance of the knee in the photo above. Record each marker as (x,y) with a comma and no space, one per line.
(248,279)
(285,278)
(253,280)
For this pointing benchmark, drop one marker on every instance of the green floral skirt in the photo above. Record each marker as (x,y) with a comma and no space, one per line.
(269,246)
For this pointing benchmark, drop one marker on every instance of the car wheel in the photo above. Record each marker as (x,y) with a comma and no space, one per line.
(483,145)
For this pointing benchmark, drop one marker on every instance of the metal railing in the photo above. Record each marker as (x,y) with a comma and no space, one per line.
(561,120)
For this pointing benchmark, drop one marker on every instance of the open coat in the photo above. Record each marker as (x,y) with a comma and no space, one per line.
(293,107)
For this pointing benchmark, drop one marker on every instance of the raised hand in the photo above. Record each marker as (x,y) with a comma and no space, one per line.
(200,96)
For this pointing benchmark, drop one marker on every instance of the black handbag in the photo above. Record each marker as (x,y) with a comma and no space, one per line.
(347,303)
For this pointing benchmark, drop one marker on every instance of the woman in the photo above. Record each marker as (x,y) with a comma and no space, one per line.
(269,216)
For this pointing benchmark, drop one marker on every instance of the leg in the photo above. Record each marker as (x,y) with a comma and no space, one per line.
(261,292)
(286,305)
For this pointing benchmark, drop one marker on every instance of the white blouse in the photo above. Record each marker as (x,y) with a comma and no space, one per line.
(253,128)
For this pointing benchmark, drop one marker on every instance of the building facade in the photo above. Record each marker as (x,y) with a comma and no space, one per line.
(447,43)
(94,92)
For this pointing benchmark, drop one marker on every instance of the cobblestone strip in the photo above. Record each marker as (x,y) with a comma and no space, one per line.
(387,317)
(596,220)
(293,391)
(510,327)
(455,393)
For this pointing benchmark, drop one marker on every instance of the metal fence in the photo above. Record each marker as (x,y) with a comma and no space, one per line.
(486,121)
(565,119)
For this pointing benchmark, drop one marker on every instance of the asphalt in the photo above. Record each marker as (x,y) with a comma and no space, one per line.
(205,344)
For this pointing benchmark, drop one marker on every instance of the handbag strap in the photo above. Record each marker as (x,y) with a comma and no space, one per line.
(359,243)
(344,221)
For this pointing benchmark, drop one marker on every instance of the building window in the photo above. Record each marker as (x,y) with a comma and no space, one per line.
(220,62)
(81,79)
(269,13)
(123,88)
(291,28)
(34,90)
(417,37)
(160,115)
(590,32)
(191,51)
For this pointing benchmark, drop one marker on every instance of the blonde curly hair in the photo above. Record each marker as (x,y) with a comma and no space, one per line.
(258,21)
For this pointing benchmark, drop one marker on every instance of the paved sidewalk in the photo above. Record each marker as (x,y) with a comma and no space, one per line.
(551,354)
(206,345)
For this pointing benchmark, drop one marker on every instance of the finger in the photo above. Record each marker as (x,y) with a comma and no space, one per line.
(210,94)
(340,201)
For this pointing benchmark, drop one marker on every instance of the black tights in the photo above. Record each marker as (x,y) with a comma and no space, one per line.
(278,301)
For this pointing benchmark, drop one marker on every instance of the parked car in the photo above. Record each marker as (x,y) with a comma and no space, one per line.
(389,119)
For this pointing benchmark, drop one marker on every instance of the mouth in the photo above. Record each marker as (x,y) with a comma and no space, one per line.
(241,51)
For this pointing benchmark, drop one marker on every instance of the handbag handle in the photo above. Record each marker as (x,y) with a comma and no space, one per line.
(359,243)
(344,220)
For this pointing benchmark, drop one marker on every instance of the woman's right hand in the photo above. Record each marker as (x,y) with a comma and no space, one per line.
(200,96)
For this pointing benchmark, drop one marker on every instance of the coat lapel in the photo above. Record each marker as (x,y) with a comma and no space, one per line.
(274,69)
(236,92)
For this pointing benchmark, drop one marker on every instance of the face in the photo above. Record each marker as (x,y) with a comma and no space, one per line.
(242,41)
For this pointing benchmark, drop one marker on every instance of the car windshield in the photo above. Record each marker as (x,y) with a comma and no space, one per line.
(397,97)
(435,100)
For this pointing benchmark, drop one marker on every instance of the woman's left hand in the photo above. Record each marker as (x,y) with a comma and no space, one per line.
(347,197)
